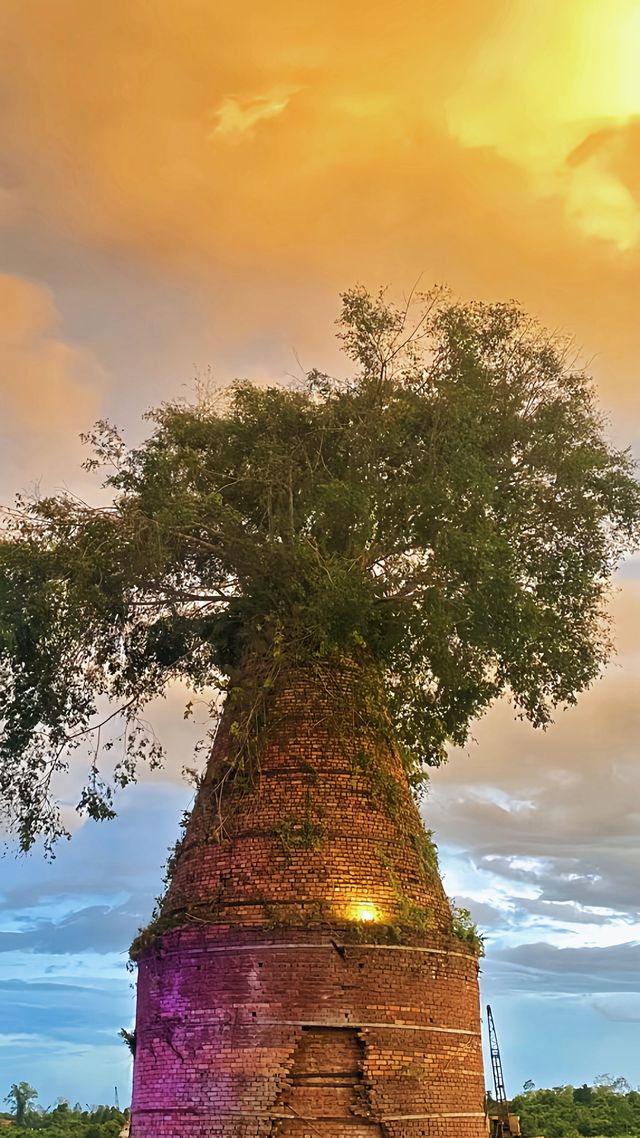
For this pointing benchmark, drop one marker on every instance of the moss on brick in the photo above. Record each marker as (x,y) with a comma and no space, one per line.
(273,861)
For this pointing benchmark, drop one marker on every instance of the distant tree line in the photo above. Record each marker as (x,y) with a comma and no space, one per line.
(609,1107)
(28,1120)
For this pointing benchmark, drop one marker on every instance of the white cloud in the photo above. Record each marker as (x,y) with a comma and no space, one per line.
(237,116)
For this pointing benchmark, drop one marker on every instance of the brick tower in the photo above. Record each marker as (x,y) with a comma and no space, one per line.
(303,977)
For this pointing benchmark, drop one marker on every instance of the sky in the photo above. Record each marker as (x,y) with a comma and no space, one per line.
(187,188)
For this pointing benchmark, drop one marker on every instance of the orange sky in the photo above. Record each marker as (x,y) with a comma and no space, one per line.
(265,155)
(186,183)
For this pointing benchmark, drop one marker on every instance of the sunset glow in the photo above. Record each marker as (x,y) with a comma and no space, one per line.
(556,93)
(185,189)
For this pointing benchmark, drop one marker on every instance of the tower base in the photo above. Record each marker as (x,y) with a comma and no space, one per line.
(258,1034)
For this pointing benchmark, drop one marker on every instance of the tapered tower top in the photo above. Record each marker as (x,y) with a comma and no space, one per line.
(318,828)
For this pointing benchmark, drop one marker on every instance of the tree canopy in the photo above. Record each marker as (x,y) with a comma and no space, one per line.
(452,512)
(61,1120)
(608,1108)
(21,1096)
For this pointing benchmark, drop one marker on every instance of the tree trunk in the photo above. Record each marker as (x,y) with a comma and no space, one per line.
(303,978)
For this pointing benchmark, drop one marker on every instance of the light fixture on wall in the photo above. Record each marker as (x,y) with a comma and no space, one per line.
(364,911)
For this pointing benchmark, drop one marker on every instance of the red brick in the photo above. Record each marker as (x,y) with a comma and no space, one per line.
(259,1014)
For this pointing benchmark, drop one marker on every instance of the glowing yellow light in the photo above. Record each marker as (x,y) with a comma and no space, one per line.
(573,82)
(364,912)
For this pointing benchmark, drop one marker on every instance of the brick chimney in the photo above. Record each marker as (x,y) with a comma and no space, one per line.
(303,977)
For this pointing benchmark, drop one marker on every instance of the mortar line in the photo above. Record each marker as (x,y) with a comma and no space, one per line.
(347,945)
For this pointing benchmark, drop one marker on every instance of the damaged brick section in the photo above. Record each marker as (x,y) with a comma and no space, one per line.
(279,1008)
(325,1092)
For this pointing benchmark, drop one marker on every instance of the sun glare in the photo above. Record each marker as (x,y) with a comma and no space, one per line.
(547,83)
(615,44)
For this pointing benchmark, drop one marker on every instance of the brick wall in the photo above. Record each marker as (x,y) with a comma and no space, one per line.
(269,1007)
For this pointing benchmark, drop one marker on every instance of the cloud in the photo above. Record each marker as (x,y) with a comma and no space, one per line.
(605,191)
(65,1011)
(616,148)
(568,912)
(236,117)
(416,152)
(405,128)
(50,387)
(35,986)
(537,84)
(485,915)
(76,878)
(595,888)
(95,928)
(64,1039)
(44,381)
(26,1041)
(619,1009)
(590,967)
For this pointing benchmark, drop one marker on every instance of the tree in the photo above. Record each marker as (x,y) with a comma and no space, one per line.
(616,1083)
(607,1108)
(448,518)
(21,1096)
